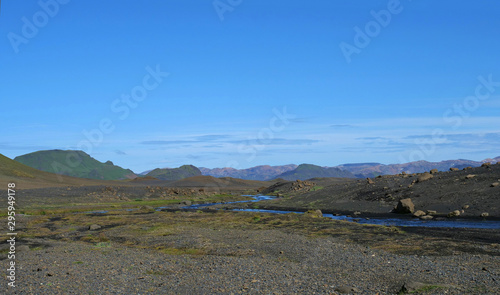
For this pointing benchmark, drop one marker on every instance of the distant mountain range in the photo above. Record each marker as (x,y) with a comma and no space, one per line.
(375,169)
(80,164)
(74,163)
(264,172)
(361,170)
(182,172)
(307,171)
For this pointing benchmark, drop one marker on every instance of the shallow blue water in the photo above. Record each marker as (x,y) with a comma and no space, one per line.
(399,221)
(489,224)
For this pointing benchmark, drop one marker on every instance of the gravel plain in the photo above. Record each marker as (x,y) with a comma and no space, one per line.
(233,260)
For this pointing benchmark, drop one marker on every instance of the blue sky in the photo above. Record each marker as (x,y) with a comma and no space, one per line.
(240,83)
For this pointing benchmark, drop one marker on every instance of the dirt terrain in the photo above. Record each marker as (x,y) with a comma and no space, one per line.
(473,190)
(107,238)
(218,252)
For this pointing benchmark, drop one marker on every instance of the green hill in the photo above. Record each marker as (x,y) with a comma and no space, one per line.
(308,171)
(74,163)
(11,168)
(26,177)
(182,172)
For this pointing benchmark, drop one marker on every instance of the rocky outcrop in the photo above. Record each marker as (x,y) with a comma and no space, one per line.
(289,187)
(424,177)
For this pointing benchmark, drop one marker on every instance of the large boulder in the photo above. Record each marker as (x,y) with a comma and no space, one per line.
(404,206)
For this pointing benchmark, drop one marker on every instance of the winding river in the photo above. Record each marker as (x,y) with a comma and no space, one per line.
(484,224)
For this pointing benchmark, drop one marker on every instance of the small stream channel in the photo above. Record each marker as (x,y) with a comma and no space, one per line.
(461,223)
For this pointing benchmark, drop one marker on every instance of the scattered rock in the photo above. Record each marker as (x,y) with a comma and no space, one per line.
(419,213)
(484,214)
(95,227)
(369,181)
(454,213)
(426,217)
(495,184)
(413,287)
(465,207)
(425,176)
(346,290)
(186,202)
(467,168)
(454,169)
(404,206)
(487,164)
(430,212)
(434,171)
(470,176)
(314,213)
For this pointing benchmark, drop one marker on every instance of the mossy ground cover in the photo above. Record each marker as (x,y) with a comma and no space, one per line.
(191,232)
